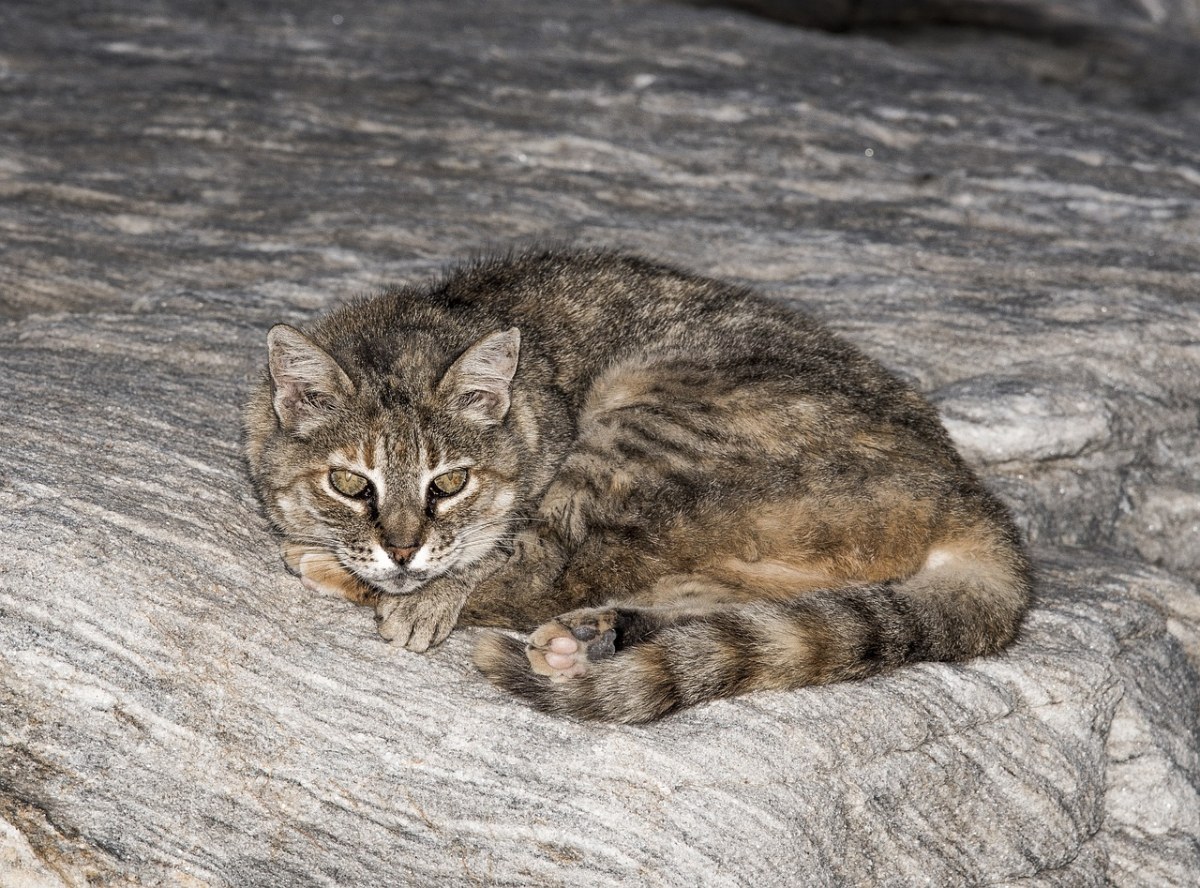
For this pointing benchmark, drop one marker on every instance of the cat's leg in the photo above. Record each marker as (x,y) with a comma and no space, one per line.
(320,571)
(567,646)
(417,622)
(524,590)
(423,619)
(546,576)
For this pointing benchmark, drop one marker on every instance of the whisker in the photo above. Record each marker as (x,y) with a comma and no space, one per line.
(322,542)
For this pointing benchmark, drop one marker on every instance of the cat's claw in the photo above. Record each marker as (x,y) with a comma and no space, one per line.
(565,648)
(416,622)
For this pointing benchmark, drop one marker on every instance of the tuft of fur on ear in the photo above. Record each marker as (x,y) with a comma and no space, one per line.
(479,383)
(308,384)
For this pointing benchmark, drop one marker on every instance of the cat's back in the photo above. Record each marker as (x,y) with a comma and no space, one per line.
(582,311)
(577,296)
(578,306)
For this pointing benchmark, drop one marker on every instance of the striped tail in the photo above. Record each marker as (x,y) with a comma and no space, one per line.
(962,603)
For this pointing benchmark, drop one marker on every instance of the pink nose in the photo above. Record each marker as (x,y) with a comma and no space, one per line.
(401,554)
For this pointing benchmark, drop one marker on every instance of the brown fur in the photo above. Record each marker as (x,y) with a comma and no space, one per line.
(694,491)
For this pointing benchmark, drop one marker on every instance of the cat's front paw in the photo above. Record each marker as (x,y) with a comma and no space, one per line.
(416,622)
(566,647)
(320,571)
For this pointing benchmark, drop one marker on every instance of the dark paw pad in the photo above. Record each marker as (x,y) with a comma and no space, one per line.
(601,645)
(563,649)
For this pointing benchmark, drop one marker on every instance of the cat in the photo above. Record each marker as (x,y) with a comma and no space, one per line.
(685,491)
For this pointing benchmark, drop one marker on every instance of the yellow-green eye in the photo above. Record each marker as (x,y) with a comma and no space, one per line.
(349,484)
(449,484)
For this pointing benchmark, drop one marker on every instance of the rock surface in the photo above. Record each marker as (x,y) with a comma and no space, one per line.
(1011,223)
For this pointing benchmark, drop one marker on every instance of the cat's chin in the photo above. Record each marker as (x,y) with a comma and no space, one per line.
(402,585)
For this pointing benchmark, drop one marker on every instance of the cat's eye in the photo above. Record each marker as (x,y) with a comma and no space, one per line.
(449,483)
(349,484)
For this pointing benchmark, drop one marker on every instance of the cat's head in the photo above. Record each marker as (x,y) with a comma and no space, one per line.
(402,474)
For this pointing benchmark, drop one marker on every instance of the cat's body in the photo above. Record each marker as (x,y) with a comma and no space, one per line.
(702,492)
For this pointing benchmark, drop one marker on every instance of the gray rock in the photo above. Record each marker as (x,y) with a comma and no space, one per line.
(995,420)
(1011,224)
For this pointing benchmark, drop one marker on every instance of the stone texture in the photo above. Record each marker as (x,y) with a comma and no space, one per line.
(1011,223)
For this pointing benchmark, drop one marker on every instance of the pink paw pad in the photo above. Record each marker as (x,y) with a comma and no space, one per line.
(565,648)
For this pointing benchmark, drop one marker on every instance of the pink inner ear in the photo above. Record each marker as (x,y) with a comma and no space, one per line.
(293,404)
(308,382)
(299,400)
(477,398)
(310,400)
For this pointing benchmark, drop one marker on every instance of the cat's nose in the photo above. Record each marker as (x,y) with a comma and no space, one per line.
(401,554)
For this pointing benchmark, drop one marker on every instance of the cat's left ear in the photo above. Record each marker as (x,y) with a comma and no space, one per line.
(309,385)
(479,383)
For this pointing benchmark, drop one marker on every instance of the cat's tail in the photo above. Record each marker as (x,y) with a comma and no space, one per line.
(966,600)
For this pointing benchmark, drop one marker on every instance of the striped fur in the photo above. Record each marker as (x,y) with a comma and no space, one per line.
(684,491)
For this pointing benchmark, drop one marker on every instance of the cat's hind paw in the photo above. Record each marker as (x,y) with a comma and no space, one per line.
(566,647)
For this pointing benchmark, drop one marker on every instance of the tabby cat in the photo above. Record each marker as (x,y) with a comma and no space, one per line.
(684,490)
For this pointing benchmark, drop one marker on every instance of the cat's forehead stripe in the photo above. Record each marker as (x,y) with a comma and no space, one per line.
(379,452)
(349,453)
(352,457)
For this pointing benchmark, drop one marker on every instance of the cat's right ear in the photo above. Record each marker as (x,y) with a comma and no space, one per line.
(308,384)
(479,382)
